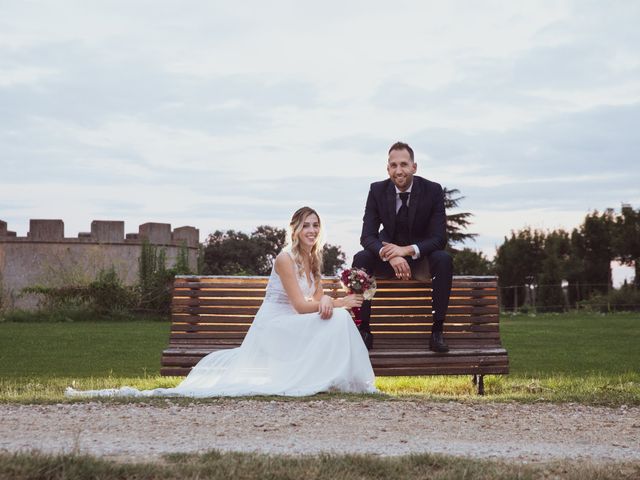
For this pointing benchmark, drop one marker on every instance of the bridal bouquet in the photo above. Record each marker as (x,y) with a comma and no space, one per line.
(356,280)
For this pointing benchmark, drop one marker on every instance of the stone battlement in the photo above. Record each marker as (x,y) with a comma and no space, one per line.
(46,257)
(104,231)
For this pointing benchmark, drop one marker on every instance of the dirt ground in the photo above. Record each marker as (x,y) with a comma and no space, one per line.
(512,431)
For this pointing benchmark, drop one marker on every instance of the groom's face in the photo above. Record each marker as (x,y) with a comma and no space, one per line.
(401,168)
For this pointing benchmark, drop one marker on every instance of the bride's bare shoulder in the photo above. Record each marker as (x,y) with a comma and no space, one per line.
(283,260)
(284,256)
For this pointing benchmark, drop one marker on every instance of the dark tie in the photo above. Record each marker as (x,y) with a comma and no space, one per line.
(404,196)
(402,220)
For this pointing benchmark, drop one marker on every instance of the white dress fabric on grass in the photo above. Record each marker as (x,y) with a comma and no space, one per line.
(283,353)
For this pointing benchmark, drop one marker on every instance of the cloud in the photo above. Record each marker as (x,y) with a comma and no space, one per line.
(228,115)
(14,76)
(593,141)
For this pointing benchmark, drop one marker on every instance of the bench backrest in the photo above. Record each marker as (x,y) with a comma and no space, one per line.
(216,312)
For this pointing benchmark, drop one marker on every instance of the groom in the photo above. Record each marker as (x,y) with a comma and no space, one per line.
(412,240)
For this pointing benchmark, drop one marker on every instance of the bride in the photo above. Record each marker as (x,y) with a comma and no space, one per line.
(301,341)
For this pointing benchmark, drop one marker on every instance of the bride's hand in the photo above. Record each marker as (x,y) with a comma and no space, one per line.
(353,300)
(326,307)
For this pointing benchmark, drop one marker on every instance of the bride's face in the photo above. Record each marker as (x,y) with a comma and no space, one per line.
(308,236)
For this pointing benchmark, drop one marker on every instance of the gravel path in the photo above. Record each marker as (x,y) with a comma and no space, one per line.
(538,432)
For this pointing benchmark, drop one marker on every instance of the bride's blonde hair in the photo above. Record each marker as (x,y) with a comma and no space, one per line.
(295,227)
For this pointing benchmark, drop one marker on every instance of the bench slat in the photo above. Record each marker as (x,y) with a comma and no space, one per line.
(451,319)
(417,340)
(395,302)
(441,370)
(256,282)
(416,352)
(393,371)
(391,362)
(415,285)
(210,344)
(470,319)
(379,335)
(200,293)
(404,361)
(382,294)
(214,302)
(377,327)
(404,302)
(421,341)
(375,310)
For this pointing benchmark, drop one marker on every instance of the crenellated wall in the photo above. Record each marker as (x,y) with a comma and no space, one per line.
(46,257)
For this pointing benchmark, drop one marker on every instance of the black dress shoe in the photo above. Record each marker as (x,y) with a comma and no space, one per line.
(436,343)
(367,338)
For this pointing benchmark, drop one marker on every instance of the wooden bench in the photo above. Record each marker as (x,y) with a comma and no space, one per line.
(213,313)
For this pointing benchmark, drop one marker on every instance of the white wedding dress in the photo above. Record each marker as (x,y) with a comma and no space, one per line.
(283,353)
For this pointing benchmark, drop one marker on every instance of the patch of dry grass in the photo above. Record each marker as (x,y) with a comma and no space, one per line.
(218,465)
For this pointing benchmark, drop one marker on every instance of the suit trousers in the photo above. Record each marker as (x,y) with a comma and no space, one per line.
(437,267)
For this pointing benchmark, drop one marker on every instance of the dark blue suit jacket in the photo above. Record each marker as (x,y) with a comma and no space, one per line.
(427,218)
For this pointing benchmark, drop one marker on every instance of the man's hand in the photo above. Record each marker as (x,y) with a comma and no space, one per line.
(401,267)
(390,250)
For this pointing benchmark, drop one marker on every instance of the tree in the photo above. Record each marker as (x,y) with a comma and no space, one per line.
(626,240)
(457,223)
(518,263)
(236,253)
(465,261)
(593,245)
(556,257)
(582,258)
(333,259)
(271,241)
(470,262)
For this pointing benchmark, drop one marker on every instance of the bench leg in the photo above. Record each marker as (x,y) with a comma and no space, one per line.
(480,384)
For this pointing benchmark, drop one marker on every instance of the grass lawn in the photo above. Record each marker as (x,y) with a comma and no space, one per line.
(217,465)
(572,357)
(572,344)
(82,349)
(588,358)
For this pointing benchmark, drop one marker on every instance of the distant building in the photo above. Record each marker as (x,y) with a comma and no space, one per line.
(46,257)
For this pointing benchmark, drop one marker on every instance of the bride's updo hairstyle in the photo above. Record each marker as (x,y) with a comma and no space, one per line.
(295,227)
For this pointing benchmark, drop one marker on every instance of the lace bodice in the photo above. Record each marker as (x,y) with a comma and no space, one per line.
(275,290)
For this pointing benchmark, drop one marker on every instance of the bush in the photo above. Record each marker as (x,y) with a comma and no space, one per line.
(470,262)
(626,298)
(155,279)
(109,295)
(2,300)
(105,295)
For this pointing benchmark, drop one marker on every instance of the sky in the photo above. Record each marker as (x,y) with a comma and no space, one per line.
(229,115)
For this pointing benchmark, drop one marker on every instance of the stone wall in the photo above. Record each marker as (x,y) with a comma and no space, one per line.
(46,257)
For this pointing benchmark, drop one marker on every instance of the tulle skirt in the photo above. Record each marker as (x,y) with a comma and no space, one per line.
(283,353)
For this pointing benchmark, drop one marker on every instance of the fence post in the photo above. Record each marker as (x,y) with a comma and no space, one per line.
(565,294)
(534,294)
